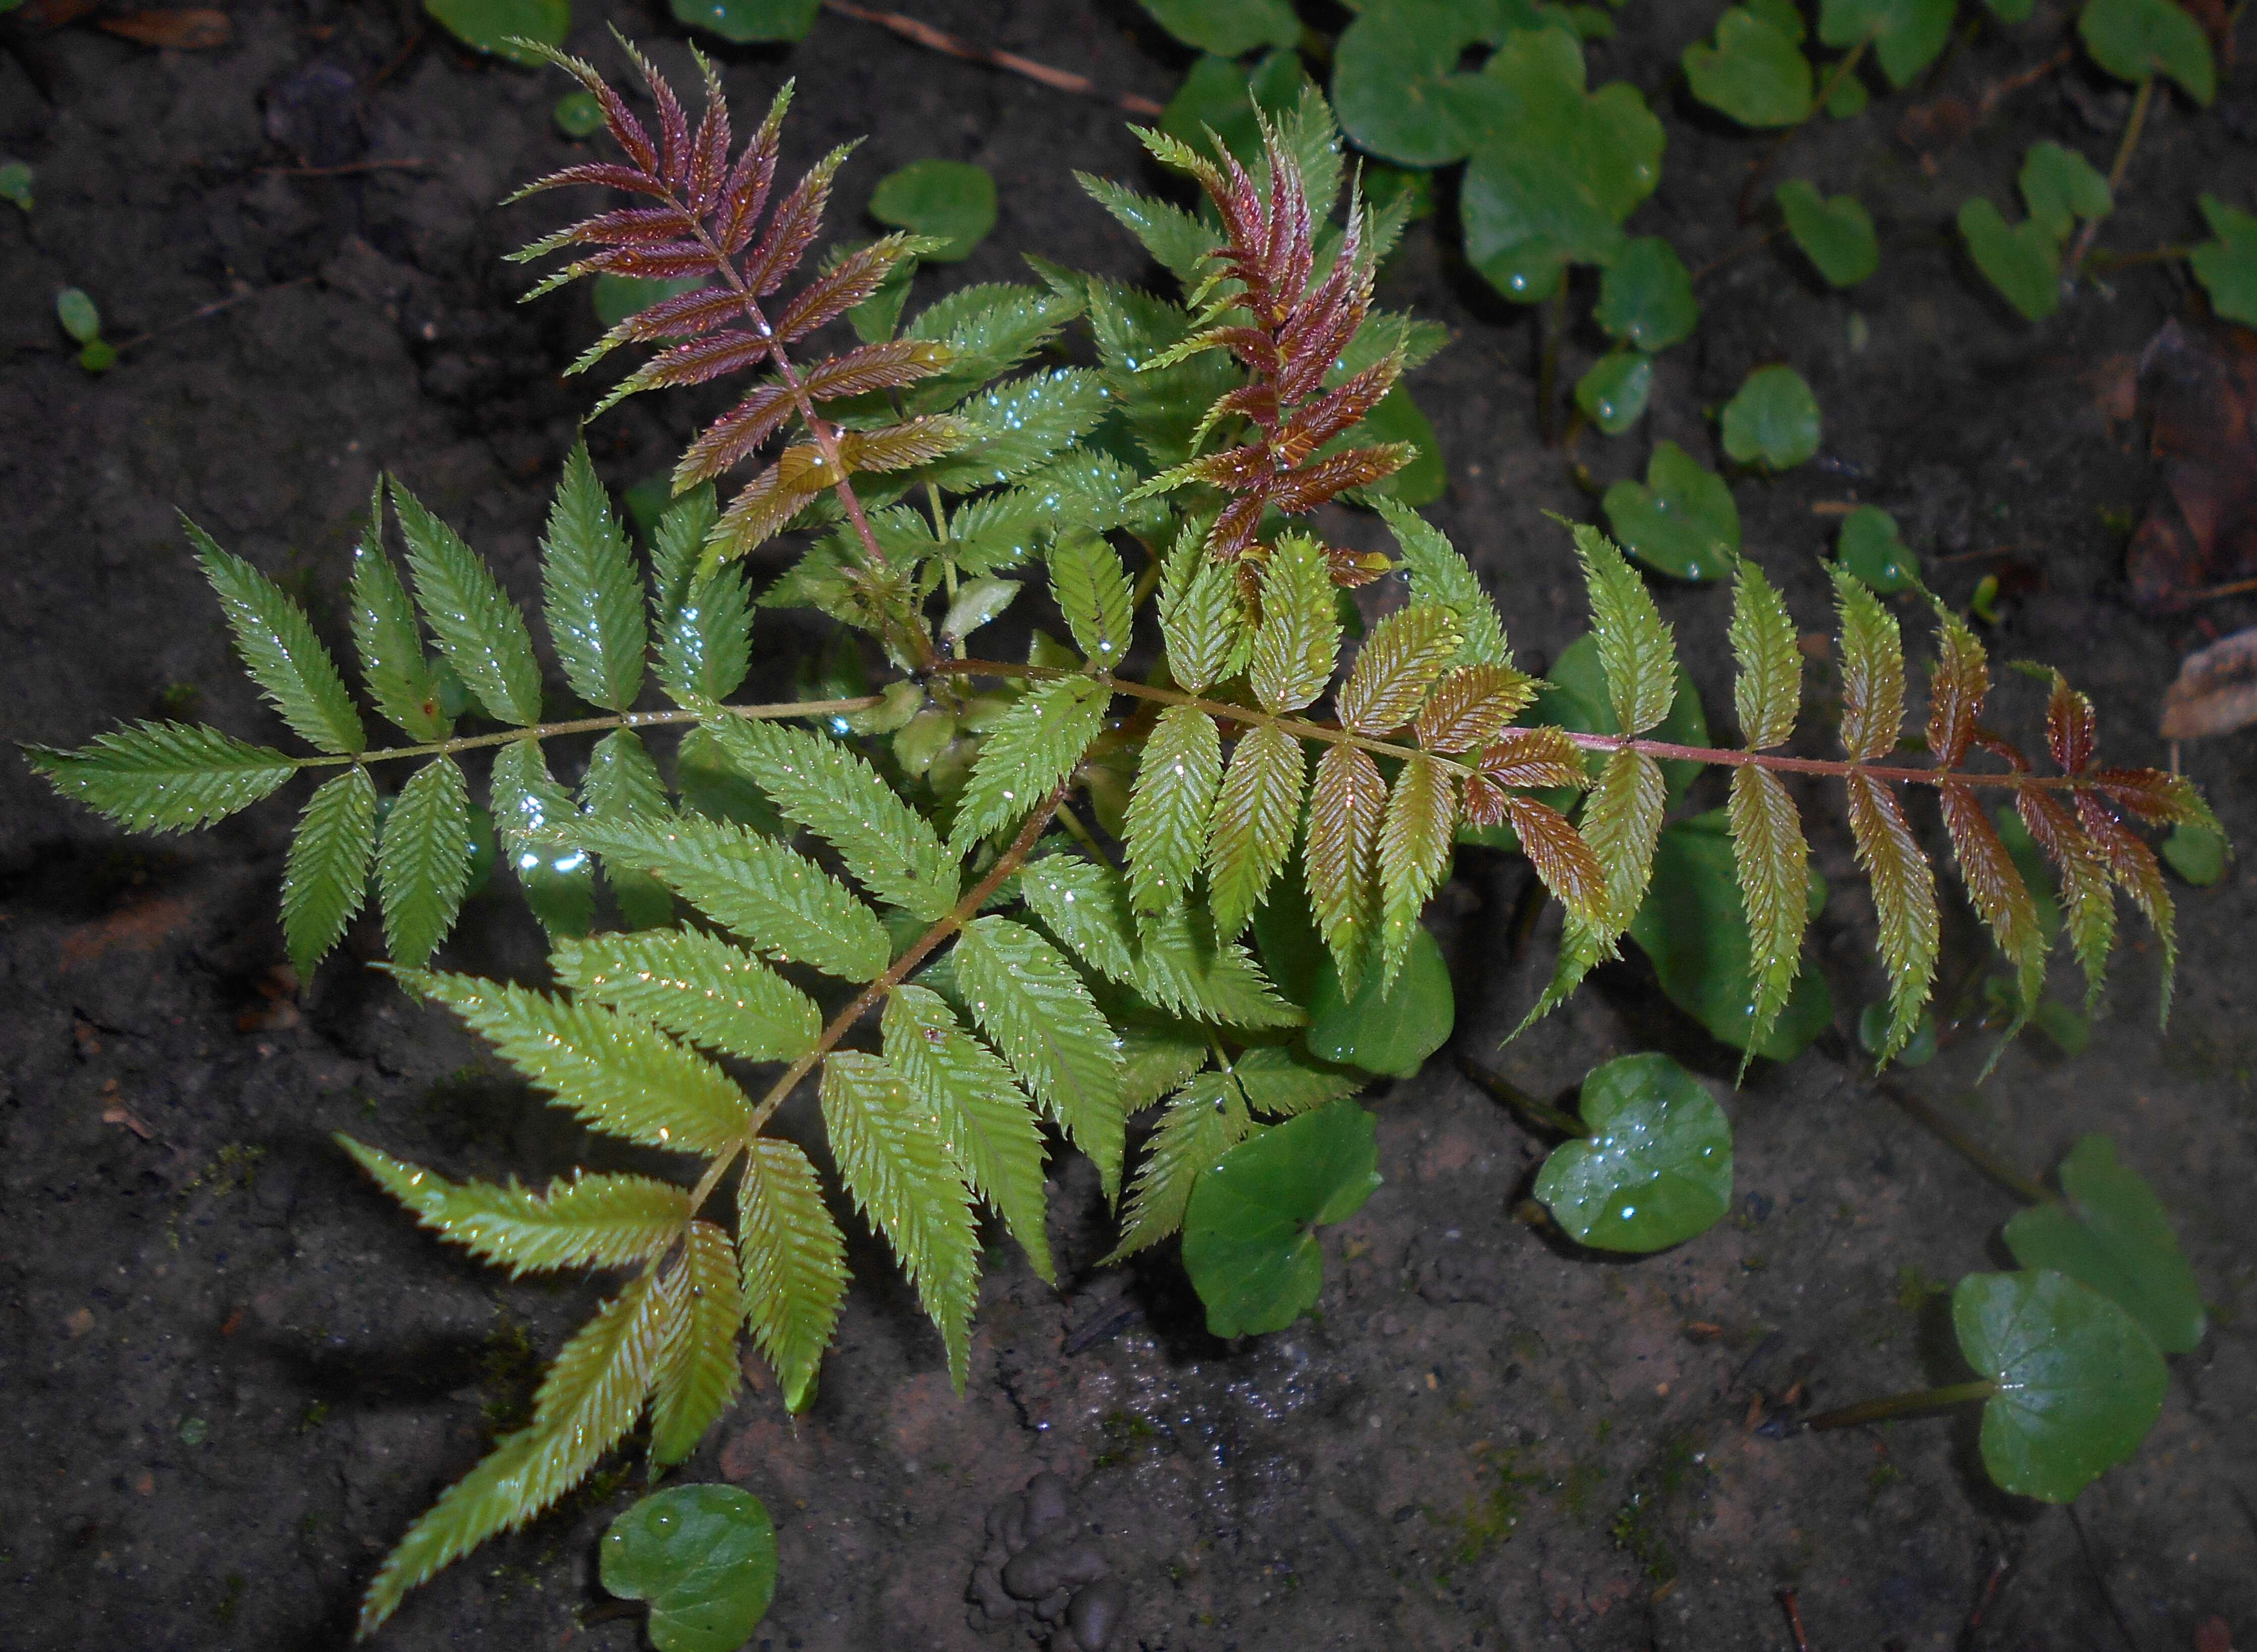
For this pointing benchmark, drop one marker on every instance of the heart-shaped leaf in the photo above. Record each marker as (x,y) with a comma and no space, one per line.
(951,199)
(1227,28)
(1613,395)
(1755,73)
(1390,1031)
(1836,234)
(703,1556)
(1693,926)
(1645,296)
(747,20)
(2022,260)
(2079,1382)
(1680,521)
(1250,1233)
(2227,265)
(1657,1167)
(1905,34)
(1390,71)
(2135,39)
(2112,1234)
(2059,186)
(1870,549)
(489,25)
(1773,421)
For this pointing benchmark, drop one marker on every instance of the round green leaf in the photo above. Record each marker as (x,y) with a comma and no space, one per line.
(2135,39)
(1837,234)
(577,114)
(2112,1234)
(2079,1382)
(1645,296)
(1693,926)
(78,315)
(1773,422)
(2227,265)
(1870,549)
(2022,260)
(1905,35)
(951,199)
(1680,521)
(1873,1035)
(1228,28)
(704,1557)
(1657,1168)
(1391,1031)
(747,20)
(1613,395)
(490,25)
(1755,73)
(1389,70)
(1249,1233)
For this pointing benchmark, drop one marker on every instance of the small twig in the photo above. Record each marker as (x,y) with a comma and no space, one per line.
(2132,129)
(1722,259)
(1975,1153)
(2238,588)
(1793,1610)
(347,167)
(1999,91)
(1977,556)
(398,61)
(1983,1600)
(1843,68)
(213,308)
(934,39)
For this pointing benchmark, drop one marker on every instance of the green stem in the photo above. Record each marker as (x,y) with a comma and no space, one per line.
(592,725)
(1899,1405)
(1843,67)
(2132,130)
(1531,1110)
(1975,1153)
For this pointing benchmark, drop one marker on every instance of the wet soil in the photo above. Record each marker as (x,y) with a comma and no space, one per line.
(233,1373)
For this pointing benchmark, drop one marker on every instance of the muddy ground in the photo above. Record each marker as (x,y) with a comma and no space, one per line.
(233,1373)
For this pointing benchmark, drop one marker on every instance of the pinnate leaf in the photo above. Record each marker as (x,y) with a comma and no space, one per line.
(1995,888)
(1200,618)
(700,1306)
(703,616)
(326,879)
(590,1221)
(794,1264)
(1471,706)
(163,776)
(1397,664)
(1768,690)
(1903,900)
(1204,1120)
(478,629)
(1298,642)
(278,648)
(1872,672)
(1772,859)
(1633,642)
(1091,588)
(593,599)
(1184,968)
(694,986)
(1036,746)
(1347,804)
(1438,574)
(1251,831)
(398,673)
(893,1158)
(2088,901)
(1170,805)
(1415,839)
(423,861)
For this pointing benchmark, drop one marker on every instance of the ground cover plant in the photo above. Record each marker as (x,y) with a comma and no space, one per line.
(1020,976)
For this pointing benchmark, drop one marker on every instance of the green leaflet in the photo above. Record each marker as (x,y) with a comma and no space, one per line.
(617,1072)
(1091,588)
(1036,1010)
(588,1400)
(1415,839)
(1385,1029)
(396,671)
(1278,1081)
(423,861)
(1156,1060)
(280,650)
(1872,672)
(1178,242)
(1346,806)
(984,1118)
(989,330)
(794,1264)
(1906,34)
(1657,1165)
(700,1306)
(703,618)
(782,902)
(1251,831)
(1397,667)
(1085,905)
(163,776)
(895,1161)
(1622,823)
(1772,861)
(1438,574)
(592,598)
(1036,745)
(1773,421)
(1199,616)
(1298,642)
(529,809)
(1170,805)
(590,1221)
(697,987)
(1903,900)
(326,879)
(623,783)
(1182,967)
(1768,690)
(890,849)
(1013,428)
(1205,1120)
(1634,644)
(478,629)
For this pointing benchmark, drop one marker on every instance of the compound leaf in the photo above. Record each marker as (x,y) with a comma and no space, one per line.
(278,648)
(478,629)
(697,987)
(423,861)
(326,879)
(794,1262)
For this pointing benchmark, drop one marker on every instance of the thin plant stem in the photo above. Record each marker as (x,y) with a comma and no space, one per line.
(874,994)
(1898,1405)
(1843,67)
(1541,1113)
(1976,1153)
(2133,128)
(591,725)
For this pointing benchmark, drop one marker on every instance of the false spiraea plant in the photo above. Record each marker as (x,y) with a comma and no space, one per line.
(895,895)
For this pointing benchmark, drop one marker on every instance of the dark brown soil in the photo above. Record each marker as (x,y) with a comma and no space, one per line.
(234,1373)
